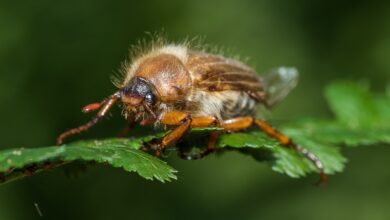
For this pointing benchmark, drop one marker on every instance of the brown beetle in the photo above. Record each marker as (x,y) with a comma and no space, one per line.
(173,85)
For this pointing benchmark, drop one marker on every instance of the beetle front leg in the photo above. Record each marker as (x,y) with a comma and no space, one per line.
(185,122)
(103,107)
(181,119)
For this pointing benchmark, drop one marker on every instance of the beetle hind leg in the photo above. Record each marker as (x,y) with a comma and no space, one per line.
(287,142)
(242,123)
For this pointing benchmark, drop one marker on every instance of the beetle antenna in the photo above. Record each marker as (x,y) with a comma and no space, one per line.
(105,107)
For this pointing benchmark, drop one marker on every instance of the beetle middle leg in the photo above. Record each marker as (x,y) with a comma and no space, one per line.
(203,122)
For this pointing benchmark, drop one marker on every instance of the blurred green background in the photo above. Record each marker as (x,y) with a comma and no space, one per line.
(56,56)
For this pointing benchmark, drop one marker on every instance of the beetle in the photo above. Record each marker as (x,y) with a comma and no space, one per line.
(176,86)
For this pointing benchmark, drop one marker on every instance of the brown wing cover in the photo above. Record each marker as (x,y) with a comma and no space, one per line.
(217,73)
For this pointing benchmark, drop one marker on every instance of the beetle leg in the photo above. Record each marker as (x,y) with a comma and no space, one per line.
(202,122)
(104,108)
(237,124)
(234,124)
(242,123)
(126,130)
(181,119)
(210,148)
(91,107)
(287,142)
(147,121)
(184,122)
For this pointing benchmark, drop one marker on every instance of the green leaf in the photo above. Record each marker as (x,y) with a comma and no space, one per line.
(252,140)
(338,133)
(365,115)
(120,153)
(355,106)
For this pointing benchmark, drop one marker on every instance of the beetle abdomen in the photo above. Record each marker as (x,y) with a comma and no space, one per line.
(222,104)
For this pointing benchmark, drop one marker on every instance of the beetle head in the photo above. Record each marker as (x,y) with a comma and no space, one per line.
(137,92)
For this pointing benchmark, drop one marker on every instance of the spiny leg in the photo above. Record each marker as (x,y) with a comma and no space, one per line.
(241,123)
(103,108)
(286,141)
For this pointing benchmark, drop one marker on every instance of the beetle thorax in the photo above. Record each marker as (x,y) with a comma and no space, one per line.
(167,74)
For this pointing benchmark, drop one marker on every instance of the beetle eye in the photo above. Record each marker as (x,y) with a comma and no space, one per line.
(149,98)
(136,91)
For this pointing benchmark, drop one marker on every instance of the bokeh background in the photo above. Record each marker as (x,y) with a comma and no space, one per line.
(56,56)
